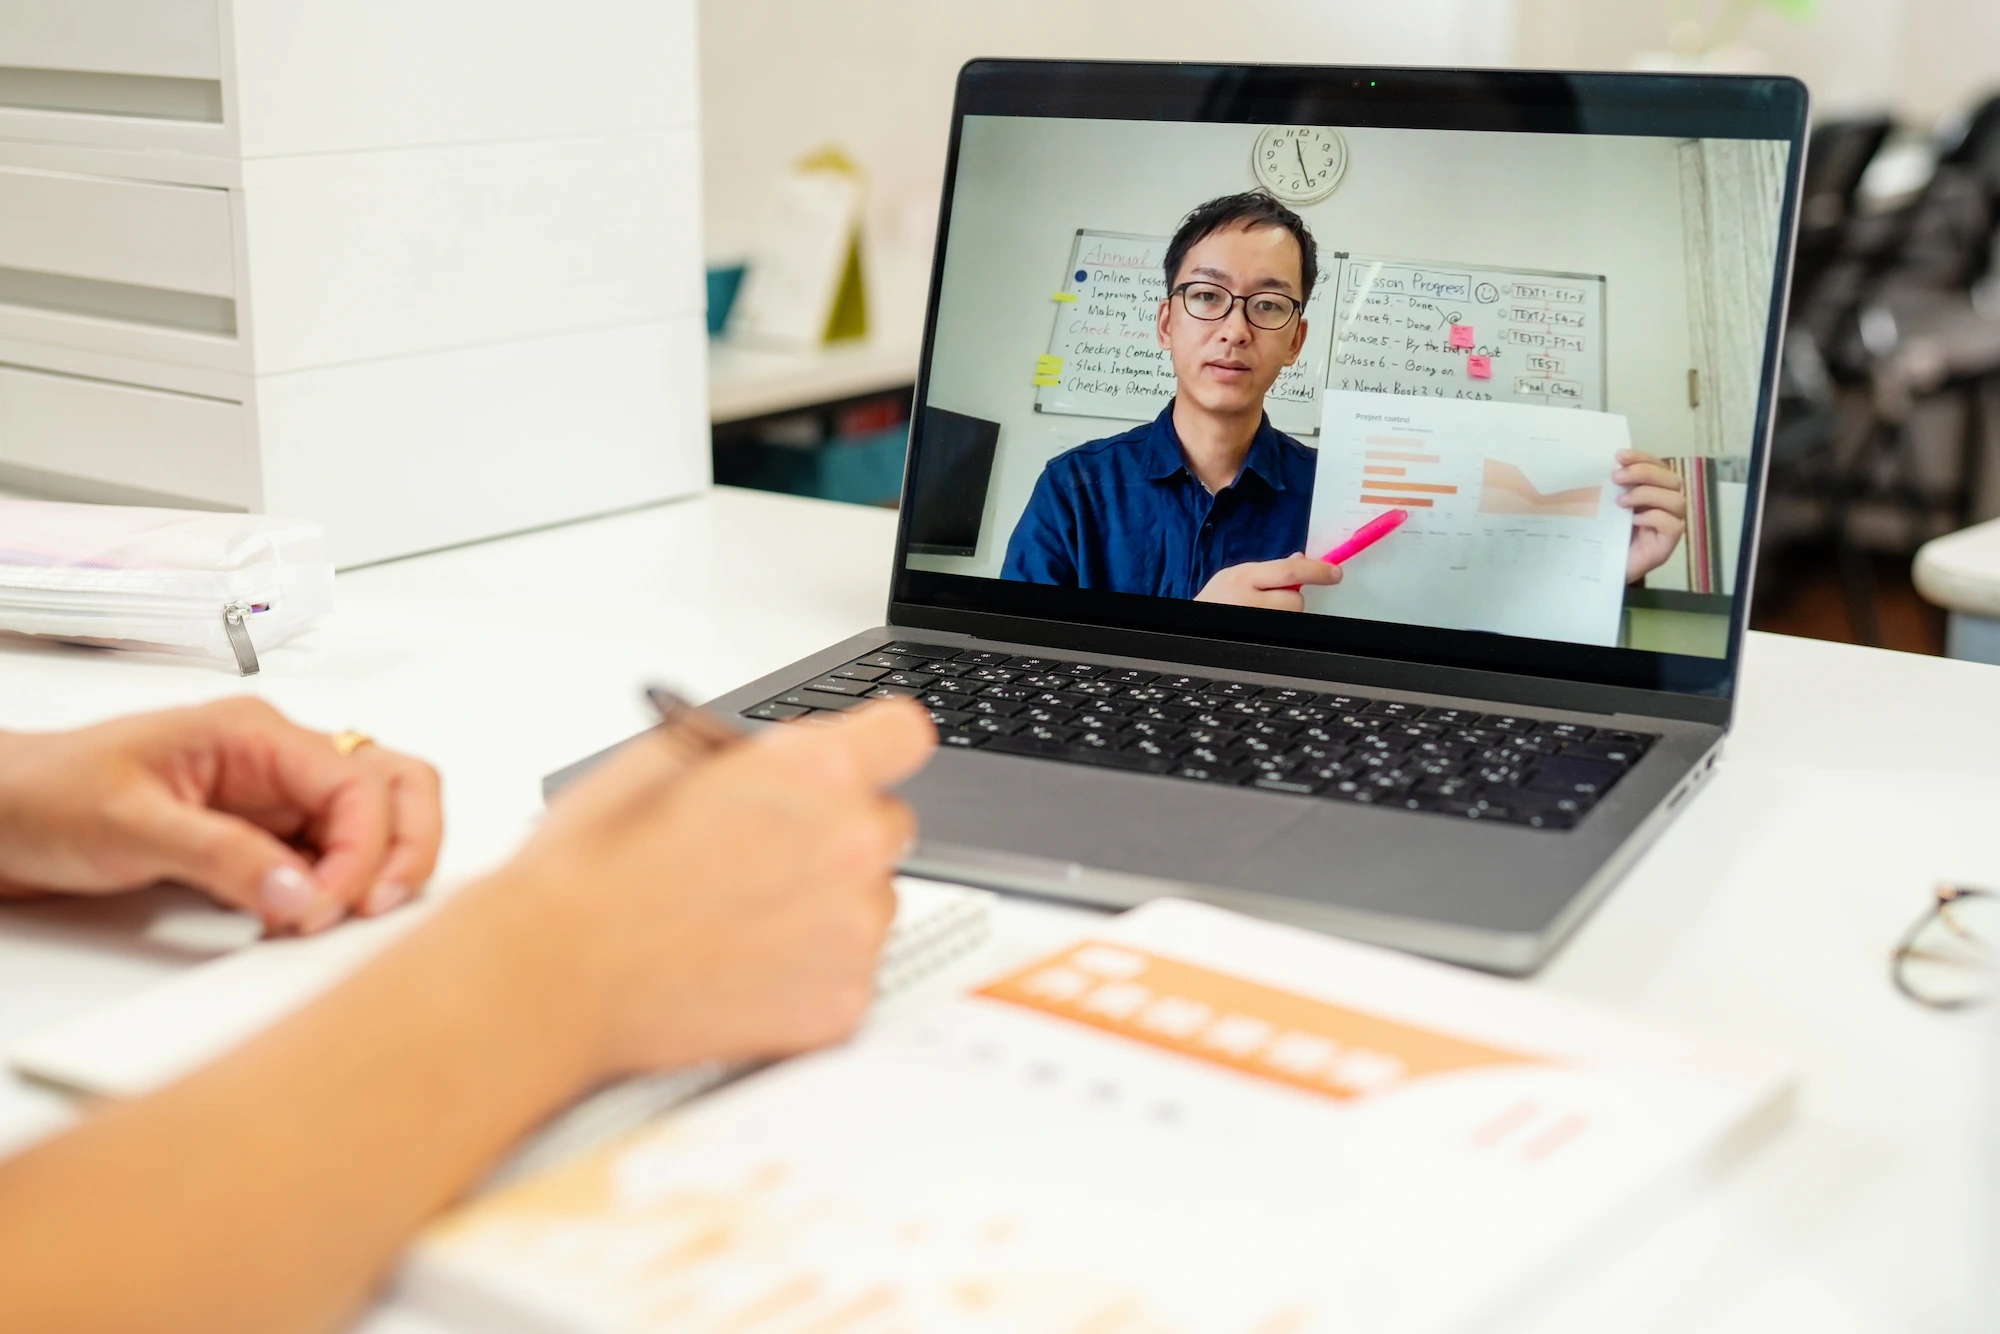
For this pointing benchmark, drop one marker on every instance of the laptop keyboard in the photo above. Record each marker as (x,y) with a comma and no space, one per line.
(1506,767)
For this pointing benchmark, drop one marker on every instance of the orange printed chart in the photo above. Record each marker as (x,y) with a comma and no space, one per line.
(1211,1016)
(1195,1123)
(1513,528)
(1505,489)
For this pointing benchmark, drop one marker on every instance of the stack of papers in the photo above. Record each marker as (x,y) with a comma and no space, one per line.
(1191,1122)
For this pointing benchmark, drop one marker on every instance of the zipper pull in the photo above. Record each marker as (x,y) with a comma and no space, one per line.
(239,636)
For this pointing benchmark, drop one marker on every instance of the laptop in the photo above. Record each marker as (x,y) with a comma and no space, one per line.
(1332,492)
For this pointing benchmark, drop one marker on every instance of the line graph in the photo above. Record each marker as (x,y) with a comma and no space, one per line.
(1505,489)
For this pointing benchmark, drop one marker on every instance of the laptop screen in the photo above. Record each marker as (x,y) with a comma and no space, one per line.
(1450,368)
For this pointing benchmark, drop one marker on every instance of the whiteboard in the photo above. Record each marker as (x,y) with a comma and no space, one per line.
(1105,359)
(1543,331)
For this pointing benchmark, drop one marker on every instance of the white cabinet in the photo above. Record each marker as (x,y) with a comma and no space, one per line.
(138,233)
(381,254)
(178,39)
(400,73)
(422,270)
(127,437)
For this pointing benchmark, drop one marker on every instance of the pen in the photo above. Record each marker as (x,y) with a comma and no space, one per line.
(1367,536)
(677,715)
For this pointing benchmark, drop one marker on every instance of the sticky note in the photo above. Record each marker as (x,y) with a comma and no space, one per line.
(1046,364)
(1047,381)
(1461,335)
(1064,296)
(1479,368)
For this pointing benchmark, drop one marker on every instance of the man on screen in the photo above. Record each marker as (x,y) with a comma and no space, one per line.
(1209,501)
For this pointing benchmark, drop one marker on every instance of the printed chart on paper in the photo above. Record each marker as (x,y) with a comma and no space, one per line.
(1514,523)
(1022,1161)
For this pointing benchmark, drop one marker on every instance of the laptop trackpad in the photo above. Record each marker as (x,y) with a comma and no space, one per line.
(1099,817)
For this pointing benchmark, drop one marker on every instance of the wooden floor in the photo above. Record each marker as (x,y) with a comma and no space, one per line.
(1804,595)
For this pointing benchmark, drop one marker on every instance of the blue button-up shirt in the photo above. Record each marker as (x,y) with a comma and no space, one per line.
(1125,514)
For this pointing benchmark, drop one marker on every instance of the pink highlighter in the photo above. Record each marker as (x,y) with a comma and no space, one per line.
(1366,536)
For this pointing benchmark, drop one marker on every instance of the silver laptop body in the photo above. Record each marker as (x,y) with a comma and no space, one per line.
(1484,892)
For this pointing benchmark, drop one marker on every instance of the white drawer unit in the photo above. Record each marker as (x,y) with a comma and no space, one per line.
(361,255)
(272,78)
(178,39)
(278,256)
(127,436)
(174,238)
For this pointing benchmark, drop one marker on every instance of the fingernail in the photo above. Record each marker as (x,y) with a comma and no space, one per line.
(287,894)
(385,897)
(322,917)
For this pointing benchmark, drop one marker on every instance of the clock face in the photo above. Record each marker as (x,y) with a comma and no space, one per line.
(1300,164)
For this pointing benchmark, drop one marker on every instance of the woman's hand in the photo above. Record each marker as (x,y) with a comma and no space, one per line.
(230,798)
(673,907)
(733,906)
(1653,492)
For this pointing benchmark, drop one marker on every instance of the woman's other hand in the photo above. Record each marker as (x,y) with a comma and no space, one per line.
(231,798)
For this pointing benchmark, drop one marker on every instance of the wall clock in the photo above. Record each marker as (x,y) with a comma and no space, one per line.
(1299,164)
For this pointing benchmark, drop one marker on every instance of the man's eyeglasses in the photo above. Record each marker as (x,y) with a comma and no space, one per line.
(1946,959)
(1264,310)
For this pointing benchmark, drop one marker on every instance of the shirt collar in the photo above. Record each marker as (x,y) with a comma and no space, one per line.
(1165,459)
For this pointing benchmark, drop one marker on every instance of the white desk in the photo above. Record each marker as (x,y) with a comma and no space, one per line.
(1961,573)
(506,660)
(749,382)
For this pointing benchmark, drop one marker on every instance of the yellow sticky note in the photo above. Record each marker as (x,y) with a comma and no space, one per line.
(1048,363)
(1069,297)
(1047,381)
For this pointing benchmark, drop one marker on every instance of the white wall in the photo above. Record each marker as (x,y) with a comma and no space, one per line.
(1922,58)
(1583,204)
(783,77)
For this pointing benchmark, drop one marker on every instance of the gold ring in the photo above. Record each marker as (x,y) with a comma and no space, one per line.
(350,741)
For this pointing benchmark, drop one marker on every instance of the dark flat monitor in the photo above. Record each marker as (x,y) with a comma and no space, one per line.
(952,471)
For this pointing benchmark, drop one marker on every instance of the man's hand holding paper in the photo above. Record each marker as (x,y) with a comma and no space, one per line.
(1658,501)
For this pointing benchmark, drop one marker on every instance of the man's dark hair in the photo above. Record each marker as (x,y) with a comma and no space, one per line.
(1252,208)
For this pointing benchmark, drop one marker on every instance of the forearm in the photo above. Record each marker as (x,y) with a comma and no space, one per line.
(271,1190)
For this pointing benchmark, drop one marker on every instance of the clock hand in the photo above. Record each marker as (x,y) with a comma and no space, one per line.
(1296,148)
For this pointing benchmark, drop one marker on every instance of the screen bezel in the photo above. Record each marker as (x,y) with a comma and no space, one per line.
(1649,105)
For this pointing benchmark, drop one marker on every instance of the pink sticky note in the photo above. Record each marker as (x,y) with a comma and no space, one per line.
(1461,335)
(1479,368)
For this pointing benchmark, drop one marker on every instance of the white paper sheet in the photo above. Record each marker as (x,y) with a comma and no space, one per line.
(1514,522)
(1193,1123)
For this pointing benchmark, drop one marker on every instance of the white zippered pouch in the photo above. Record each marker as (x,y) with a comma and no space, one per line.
(227,586)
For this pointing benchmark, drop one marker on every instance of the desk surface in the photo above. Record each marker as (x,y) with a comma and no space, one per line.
(1764,915)
(748,382)
(1961,571)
